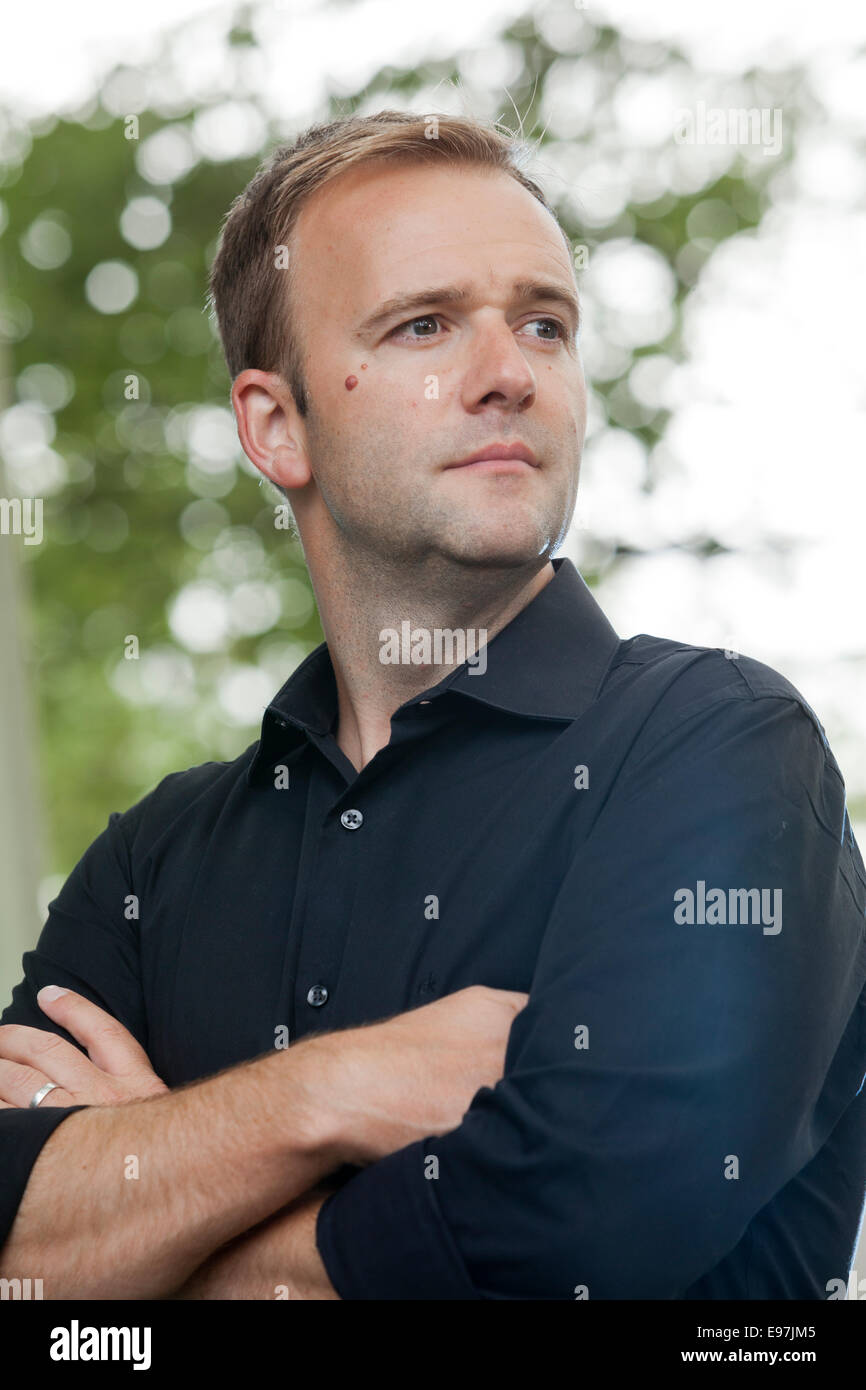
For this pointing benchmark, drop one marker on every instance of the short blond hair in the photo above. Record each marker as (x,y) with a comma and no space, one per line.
(251,297)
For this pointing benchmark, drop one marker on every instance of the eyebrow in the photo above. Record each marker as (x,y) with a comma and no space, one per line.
(403,305)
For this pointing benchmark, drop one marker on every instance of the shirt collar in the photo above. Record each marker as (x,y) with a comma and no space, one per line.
(549,662)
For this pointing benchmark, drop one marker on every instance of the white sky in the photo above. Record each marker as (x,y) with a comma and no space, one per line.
(52,51)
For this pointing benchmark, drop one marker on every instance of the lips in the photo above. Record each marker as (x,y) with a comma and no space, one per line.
(498,451)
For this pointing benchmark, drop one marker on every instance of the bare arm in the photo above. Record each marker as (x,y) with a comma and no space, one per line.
(213,1159)
(219,1157)
(389,1084)
(277,1260)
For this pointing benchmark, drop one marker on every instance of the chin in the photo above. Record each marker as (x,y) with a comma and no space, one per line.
(517,539)
(498,553)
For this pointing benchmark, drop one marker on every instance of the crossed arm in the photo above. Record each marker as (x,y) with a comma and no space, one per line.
(277,1258)
(229,1169)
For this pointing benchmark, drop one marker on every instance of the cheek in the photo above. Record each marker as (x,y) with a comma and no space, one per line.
(352,381)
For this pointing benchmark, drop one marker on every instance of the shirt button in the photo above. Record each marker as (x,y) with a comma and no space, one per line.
(351,820)
(317,996)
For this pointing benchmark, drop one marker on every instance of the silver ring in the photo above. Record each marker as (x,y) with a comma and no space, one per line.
(42,1093)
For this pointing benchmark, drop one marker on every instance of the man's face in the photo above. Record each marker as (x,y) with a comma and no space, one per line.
(442,378)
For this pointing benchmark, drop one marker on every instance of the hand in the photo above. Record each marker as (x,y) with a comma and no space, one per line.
(118,1069)
(387,1084)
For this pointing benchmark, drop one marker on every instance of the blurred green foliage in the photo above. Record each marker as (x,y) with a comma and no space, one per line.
(133,521)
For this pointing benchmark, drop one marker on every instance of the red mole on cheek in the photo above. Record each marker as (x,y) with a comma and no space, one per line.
(351,383)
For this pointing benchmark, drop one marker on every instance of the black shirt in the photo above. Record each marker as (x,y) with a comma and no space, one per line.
(649,838)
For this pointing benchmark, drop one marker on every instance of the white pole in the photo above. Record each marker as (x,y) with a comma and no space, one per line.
(20,839)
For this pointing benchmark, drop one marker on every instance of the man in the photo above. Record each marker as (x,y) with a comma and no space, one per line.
(565,932)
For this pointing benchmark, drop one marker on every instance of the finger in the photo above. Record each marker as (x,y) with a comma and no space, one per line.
(54,1057)
(109,1045)
(19,1084)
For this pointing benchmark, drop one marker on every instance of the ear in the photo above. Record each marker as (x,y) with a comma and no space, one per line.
(271,432)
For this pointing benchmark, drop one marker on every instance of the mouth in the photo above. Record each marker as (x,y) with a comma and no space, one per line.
(498,458)
(495,465)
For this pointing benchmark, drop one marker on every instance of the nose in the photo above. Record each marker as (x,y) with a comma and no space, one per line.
(497,372)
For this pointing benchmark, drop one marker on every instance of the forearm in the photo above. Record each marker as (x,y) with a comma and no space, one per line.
(127,1201)
(277,1260)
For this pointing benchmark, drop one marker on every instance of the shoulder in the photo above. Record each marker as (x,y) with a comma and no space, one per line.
(682,682)
(196,793)
(708,716)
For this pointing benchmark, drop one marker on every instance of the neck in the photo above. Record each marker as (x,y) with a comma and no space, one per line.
(362,598)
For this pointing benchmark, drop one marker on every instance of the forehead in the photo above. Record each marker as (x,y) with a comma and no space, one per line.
(377,230)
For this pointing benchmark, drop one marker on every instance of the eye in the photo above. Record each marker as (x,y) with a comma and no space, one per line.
(423,318)
(562,331)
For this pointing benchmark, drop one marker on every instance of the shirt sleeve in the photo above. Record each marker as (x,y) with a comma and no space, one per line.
(89,944)
(668,1076)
